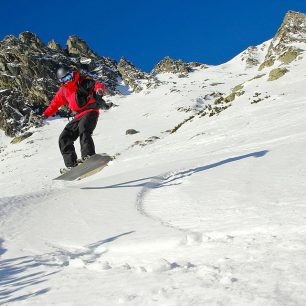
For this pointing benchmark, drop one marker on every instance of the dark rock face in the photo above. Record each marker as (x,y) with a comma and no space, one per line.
(14,113)
(31,40)
(106,72)
(27,74)
(78,47)
(23,64)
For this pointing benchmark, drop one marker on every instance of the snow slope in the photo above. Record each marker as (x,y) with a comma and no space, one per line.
(213,214)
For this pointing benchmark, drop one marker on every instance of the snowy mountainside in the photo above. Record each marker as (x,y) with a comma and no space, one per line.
(249,58)
(204,206)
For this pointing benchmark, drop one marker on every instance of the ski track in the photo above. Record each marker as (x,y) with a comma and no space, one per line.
(158,181)
(277,280)
(190,237)
(15,210)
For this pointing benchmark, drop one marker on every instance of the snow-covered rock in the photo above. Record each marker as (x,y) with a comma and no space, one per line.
(289,42)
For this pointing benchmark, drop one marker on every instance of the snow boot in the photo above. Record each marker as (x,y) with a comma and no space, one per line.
(65,170)
(80,161)
(86,157)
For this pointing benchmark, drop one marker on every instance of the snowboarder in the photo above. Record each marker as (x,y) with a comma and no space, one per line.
(84,98)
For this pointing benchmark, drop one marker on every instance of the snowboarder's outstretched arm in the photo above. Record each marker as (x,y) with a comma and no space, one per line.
(58,101)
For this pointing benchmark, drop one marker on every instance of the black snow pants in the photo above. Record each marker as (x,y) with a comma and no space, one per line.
(82,127)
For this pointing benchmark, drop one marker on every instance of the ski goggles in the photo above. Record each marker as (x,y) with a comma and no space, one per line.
(67,78)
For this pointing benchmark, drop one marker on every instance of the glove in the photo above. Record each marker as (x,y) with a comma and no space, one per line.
(100,92)
(102,104)
(108,105)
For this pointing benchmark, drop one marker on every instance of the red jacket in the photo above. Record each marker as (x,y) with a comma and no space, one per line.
(66,94)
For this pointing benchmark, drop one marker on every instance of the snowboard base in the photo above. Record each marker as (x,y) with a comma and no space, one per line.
(89,167)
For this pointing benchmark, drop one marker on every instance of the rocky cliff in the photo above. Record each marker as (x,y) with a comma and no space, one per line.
(173,66)
(284,47)
(134,77)
(27,74)
(28,66)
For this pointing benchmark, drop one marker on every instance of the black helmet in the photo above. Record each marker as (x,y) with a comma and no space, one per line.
(63,71)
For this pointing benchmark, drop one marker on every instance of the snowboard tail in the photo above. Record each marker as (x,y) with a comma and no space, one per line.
(89,167)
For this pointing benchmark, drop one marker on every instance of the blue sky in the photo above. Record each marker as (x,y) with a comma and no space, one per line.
(145,31)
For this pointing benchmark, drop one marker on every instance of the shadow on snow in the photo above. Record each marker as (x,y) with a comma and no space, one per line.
(165,180)
(2,249)
(17,274)
(21,274)
(90,249)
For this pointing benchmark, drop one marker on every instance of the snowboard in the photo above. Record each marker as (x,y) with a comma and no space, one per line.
(89,167)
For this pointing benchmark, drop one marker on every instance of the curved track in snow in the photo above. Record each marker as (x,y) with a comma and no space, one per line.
(167,179)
